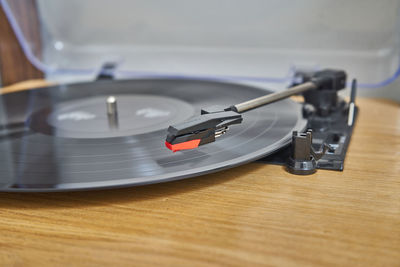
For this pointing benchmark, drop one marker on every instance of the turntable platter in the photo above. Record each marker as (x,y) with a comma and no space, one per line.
(61,138)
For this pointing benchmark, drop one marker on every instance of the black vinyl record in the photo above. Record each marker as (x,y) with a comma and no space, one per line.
(61,138)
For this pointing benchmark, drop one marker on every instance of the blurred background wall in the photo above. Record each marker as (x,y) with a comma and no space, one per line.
(259,42)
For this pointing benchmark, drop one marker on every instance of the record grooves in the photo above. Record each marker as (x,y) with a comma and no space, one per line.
(61,138)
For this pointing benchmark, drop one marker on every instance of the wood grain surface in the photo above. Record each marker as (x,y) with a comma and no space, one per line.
(250,215)
(14,65)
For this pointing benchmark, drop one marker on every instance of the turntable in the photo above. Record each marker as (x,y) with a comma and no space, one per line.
(222,137)
(117,133)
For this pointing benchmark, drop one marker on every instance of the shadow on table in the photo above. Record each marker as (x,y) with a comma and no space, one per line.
(120,195)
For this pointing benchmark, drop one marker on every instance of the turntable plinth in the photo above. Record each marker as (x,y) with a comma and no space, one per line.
(253,214)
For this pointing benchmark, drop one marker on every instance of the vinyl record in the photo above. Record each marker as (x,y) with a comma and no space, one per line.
(61,138)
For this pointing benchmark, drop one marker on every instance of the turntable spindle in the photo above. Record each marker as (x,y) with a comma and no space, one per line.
(112,112)
(111,105)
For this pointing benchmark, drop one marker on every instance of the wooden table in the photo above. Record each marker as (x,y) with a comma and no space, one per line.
(251,215)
